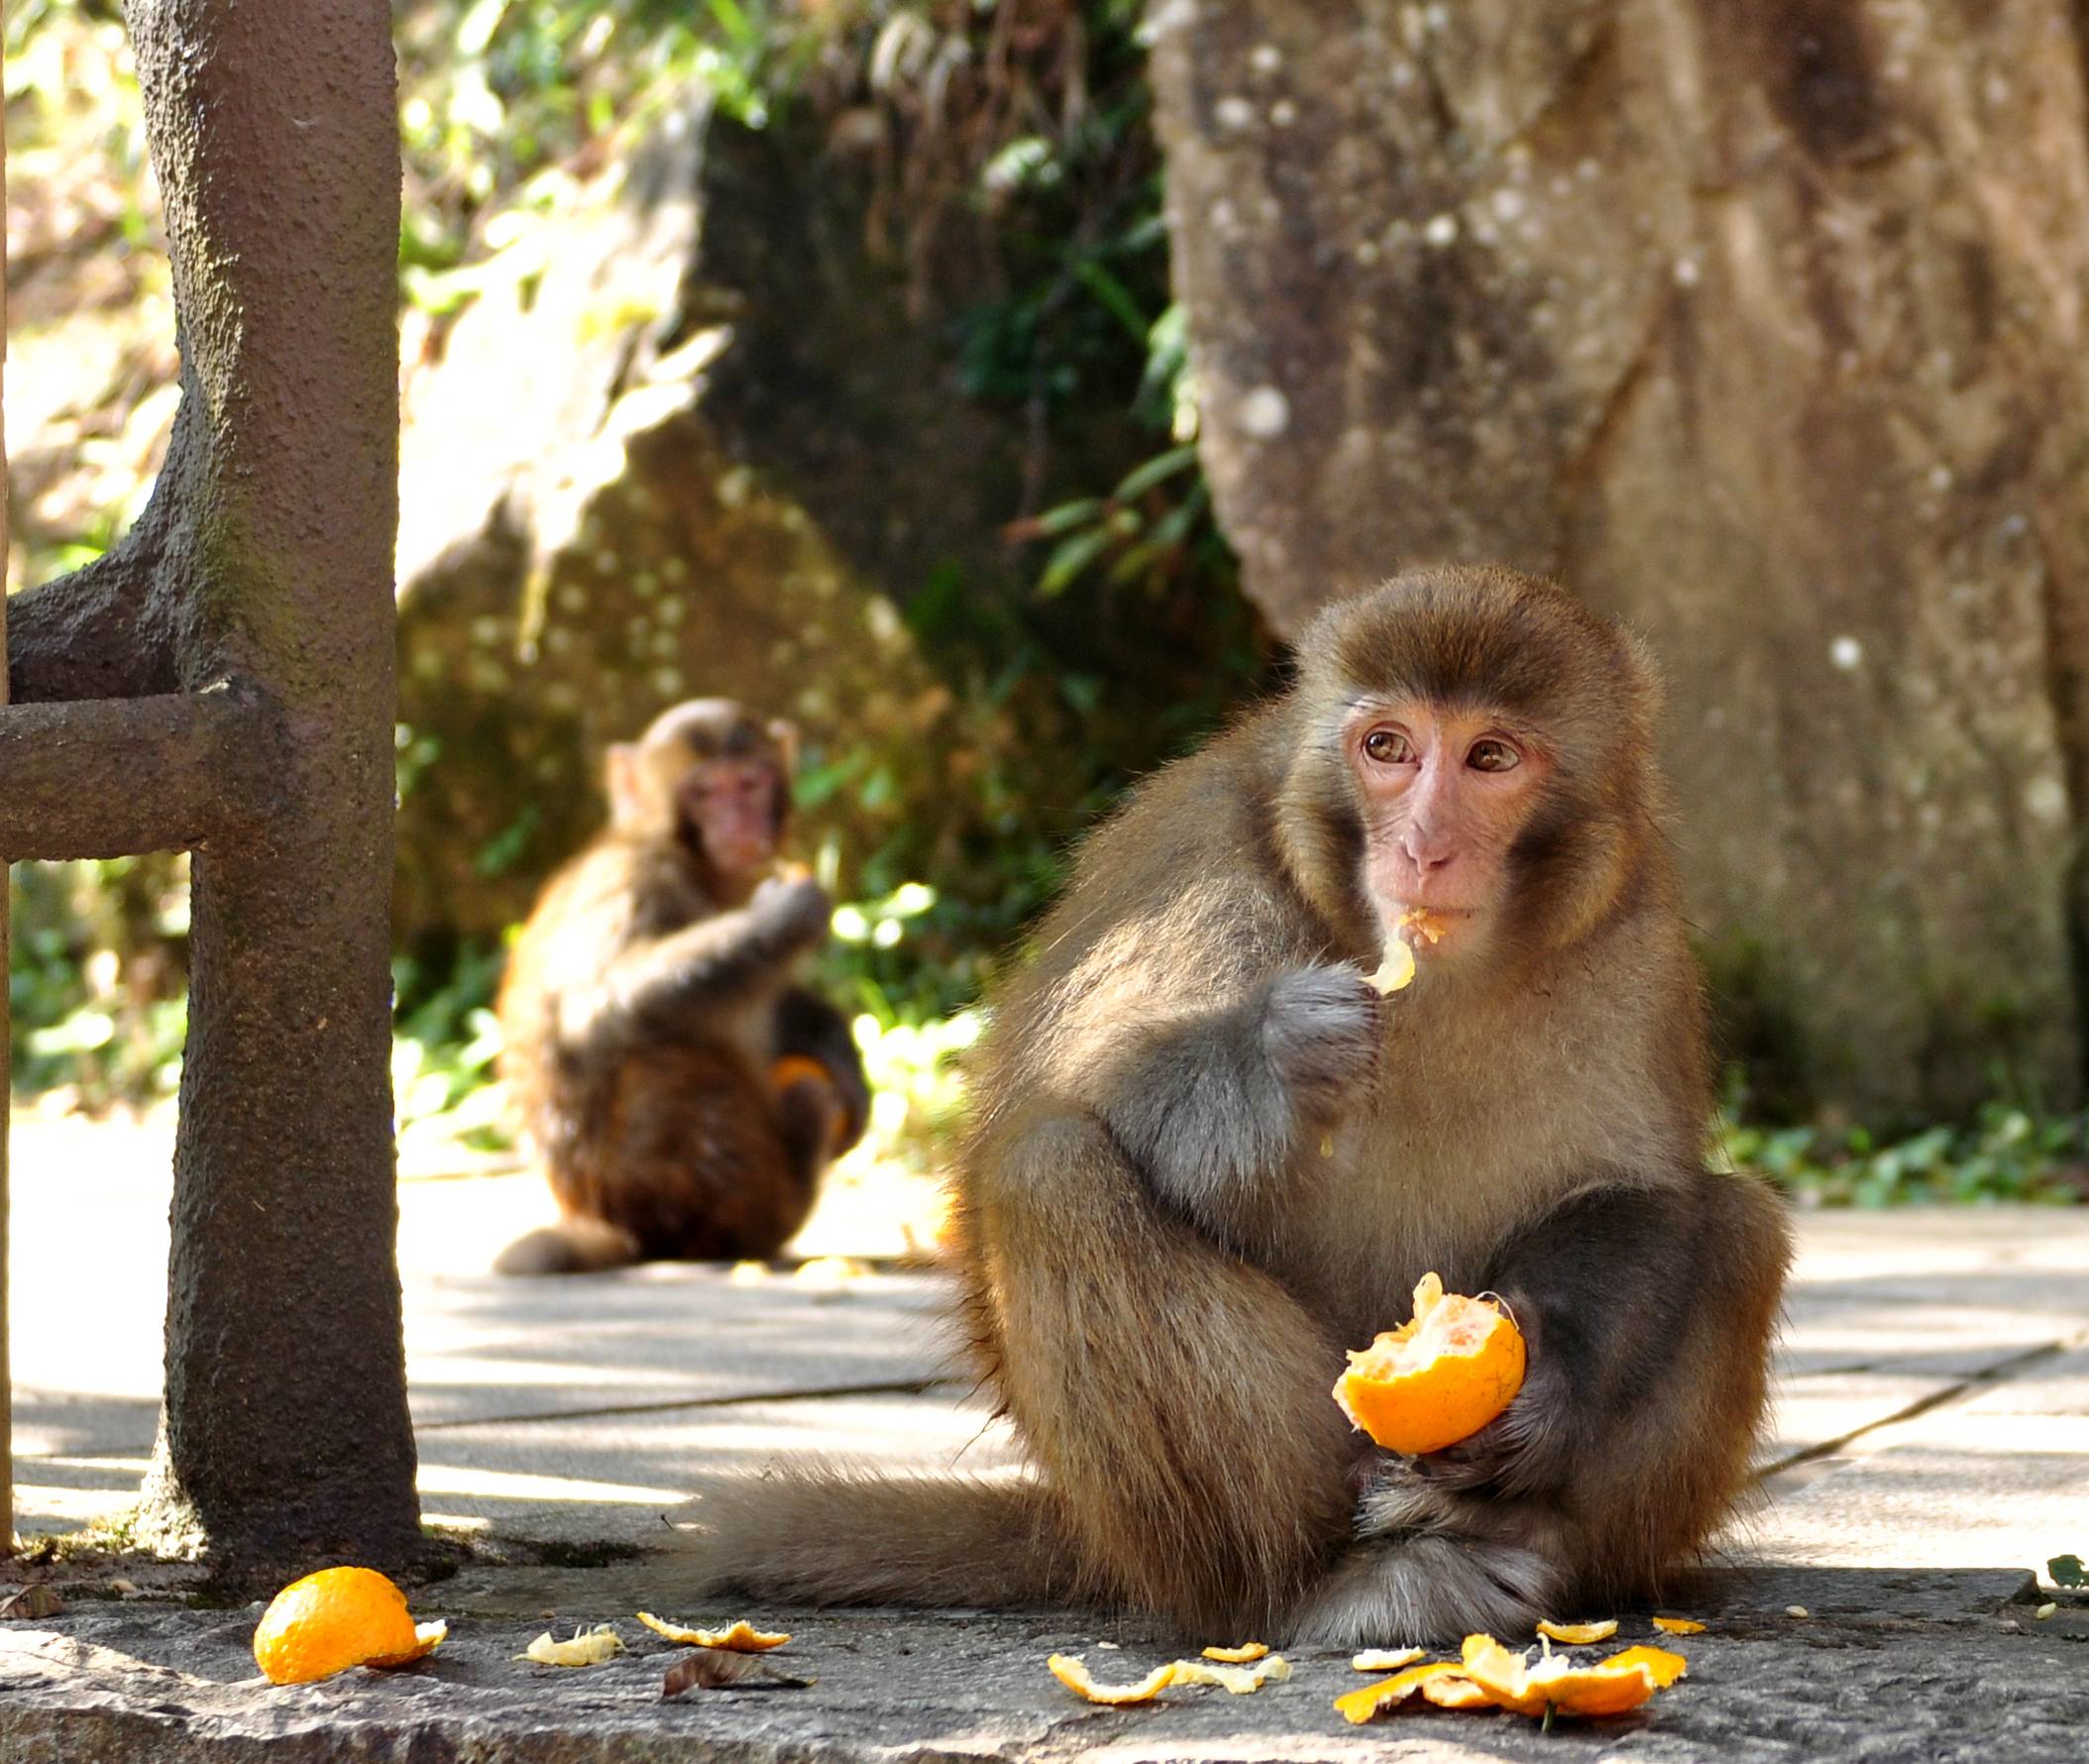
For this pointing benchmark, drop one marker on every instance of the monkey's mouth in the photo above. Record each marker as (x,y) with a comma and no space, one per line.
(1424,929)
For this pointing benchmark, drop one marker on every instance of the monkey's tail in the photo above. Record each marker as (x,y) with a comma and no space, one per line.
(829,1534)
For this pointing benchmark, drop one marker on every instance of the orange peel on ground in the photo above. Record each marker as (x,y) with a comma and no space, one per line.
(1238,1681)
(1073,1674)
(1438,1379)
(337,1618)
(1358,1707)
(1240,1656)
(586,1647)
(1385,1659)
(1579,1635)
(740,1637)
(1677,1626)
(1605,1687)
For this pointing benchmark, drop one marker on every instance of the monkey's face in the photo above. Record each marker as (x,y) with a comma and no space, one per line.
(1443,793)
(732,811)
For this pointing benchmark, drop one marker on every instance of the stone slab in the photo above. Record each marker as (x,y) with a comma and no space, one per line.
(1885,1668)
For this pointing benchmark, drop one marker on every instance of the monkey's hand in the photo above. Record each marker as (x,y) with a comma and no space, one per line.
(1211,1107)
(792,909)
(1320,1031)
(1530,1447)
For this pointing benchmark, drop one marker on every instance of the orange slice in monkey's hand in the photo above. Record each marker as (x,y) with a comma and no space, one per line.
(1438,1379)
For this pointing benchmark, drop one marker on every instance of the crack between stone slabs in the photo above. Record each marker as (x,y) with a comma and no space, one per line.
(2001,1372)
(899,1388)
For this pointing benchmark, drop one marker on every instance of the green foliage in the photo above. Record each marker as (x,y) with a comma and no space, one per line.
(2003,1153)
(2067,1571)
(445,1039)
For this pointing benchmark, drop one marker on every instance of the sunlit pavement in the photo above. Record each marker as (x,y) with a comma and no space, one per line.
(1929,1447)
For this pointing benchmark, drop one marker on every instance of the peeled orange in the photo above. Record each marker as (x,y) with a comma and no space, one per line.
(337,1618)
(1438,1379)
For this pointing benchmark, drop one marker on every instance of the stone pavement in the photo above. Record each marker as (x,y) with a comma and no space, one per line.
(1930,1449)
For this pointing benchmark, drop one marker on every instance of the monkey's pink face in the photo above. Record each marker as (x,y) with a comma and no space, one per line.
(731,805)
(1444,794)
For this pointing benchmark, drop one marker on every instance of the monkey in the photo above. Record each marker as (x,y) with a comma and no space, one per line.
(1206,1156)
(684,1095)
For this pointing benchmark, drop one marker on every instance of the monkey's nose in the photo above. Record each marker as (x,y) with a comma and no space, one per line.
(1425,853)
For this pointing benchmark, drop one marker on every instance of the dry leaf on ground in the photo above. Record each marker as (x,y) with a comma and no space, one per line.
(711,1668)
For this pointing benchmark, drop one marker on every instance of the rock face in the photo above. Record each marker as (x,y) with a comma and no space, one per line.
(1762,327)
(584,542)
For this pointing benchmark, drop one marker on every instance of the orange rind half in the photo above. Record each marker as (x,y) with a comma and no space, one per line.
(1438,1379)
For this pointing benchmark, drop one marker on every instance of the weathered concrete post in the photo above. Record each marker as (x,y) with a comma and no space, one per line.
(238,650)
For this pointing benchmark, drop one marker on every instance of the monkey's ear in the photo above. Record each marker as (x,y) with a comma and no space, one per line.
(625,779)
(784,734)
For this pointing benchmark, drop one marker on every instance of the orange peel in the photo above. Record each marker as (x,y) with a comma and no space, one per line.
(335,1619)
(1243,1655)
(1069,1670)
(1237,1681)
(1438,1379)
(1579,1635)
(1385,1659)
(1677,1626)
(1396,970)
(586,1647)
(1358,1707)
(740,1637)
(1606,1688)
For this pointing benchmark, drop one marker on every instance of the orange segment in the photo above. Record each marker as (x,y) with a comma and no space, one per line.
(336,1619)
(1436,1379)
(1677,1626)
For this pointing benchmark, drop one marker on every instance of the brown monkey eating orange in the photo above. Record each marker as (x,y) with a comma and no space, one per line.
(1436,1379)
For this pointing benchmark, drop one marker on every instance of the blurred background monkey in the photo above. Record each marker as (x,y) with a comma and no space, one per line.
(682,1094)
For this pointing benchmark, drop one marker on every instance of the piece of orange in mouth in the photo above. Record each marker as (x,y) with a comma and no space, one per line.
(1436,1379)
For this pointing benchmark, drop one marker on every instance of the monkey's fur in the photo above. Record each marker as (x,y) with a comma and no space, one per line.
(1162,1267)
(649,998)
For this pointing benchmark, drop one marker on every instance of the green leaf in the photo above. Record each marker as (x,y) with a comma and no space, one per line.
(1159,468)
(2067,1571)
(1066,516)
(1112,294)
(1069,558)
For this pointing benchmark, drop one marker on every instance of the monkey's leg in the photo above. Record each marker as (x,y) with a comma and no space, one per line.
(1175,1396)
(1649,1315)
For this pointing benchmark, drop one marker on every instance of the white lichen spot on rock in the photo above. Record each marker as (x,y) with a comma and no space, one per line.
(1939,479)
(572,598)
(487,631)
(1442,230)
(1264,414)
(2045,799)
(1283,113)
(1686,273)
(734,484)
(667,682)
(1233,112)
(1266,57)
(1846,653)
(1367,252)
(884,621)
(1508,205)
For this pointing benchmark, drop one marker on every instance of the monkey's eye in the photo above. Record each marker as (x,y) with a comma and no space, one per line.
(1492,755)
(1388,747)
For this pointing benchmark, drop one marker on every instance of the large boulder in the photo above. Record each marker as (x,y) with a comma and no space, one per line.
(583,541)
(1763,328)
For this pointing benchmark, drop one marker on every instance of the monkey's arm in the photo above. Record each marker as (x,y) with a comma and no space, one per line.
(1207,1104)
(715,958)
